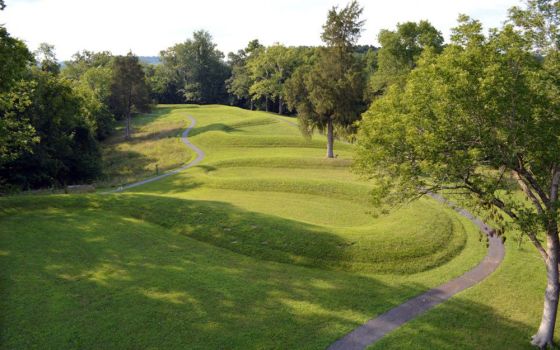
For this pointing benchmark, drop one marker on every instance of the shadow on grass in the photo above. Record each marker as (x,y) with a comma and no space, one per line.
(120,167)
(96,272)
(147,136)
(212,127)
(461,324)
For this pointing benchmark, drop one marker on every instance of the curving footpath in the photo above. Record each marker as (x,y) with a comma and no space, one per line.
(184,137)
(375,329)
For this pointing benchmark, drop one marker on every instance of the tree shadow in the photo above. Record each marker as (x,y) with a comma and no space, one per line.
(145,136)
(123,272)
(459,323)
(212,127)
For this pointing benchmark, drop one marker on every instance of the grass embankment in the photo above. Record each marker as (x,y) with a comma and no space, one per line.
(264,245)
(155,146)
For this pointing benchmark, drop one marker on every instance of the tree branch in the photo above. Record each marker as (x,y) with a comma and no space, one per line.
(528,192)
(532,181)
(502,206)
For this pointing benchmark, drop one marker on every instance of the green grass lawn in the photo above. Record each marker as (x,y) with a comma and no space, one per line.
(265,245)
(155,145)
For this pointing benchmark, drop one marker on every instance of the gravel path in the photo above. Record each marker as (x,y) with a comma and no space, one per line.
(184,137)
(375,329)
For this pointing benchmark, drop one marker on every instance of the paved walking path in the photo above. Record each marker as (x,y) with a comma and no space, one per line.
(375,329)
(184,137)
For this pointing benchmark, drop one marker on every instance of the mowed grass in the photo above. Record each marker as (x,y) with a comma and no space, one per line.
(260,162)
(265,245)
(113,272)
(154,147)
(500,313)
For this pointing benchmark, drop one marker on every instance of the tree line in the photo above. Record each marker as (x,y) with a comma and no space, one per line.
(478,116)
(53,116)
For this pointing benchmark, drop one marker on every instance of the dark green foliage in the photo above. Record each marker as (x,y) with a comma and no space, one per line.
(193,71)
(129,91)
(14,58)
(66,151)
(16,134)
(330,93)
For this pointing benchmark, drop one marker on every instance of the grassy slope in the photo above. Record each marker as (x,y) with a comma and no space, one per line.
(155,142)
(261,164)
(149,270)
(501,313)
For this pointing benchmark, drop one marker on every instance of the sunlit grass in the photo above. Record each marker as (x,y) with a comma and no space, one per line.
(155,147)
(266,244)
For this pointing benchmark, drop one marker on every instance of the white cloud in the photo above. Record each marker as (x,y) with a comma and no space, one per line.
(146,27)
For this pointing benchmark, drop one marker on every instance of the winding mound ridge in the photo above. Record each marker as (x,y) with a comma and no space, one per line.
(260,163)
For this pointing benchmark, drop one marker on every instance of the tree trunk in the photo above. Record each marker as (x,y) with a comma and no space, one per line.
(127,132)
(330,139)
(251,104)
(266,103)
(545,334)
(280,105)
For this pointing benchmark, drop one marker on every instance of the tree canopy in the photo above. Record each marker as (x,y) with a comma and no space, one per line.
(193,71)
(129,92)
(330,93)
(481,119)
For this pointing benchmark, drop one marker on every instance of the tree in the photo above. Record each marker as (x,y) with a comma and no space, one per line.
(400,51)
(14,58)
(268,70)
(239,83)
(129,92)
(65,150)
(330,94)
(483,120)
(17,135)
(46,58)
(91,74)
(194,71)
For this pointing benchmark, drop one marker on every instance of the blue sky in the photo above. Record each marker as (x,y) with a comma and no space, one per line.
(146,27)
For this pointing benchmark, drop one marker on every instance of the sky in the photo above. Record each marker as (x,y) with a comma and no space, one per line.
(147,27)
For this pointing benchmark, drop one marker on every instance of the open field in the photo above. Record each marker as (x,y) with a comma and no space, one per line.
(264,245)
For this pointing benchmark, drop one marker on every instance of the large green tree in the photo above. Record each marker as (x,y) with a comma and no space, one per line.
(194,71)
(482,119)
(400,51)
(129,91)
(65,150)
(329,94)
(268,70)
(17,135)
(240,81)
(91,74)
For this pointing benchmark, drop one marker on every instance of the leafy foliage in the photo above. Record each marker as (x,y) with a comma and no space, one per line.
(129,92)
(330,93)
(400,51)
(193,71)
(483,119)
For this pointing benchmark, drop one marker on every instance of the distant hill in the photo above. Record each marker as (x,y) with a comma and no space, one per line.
(149,59)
